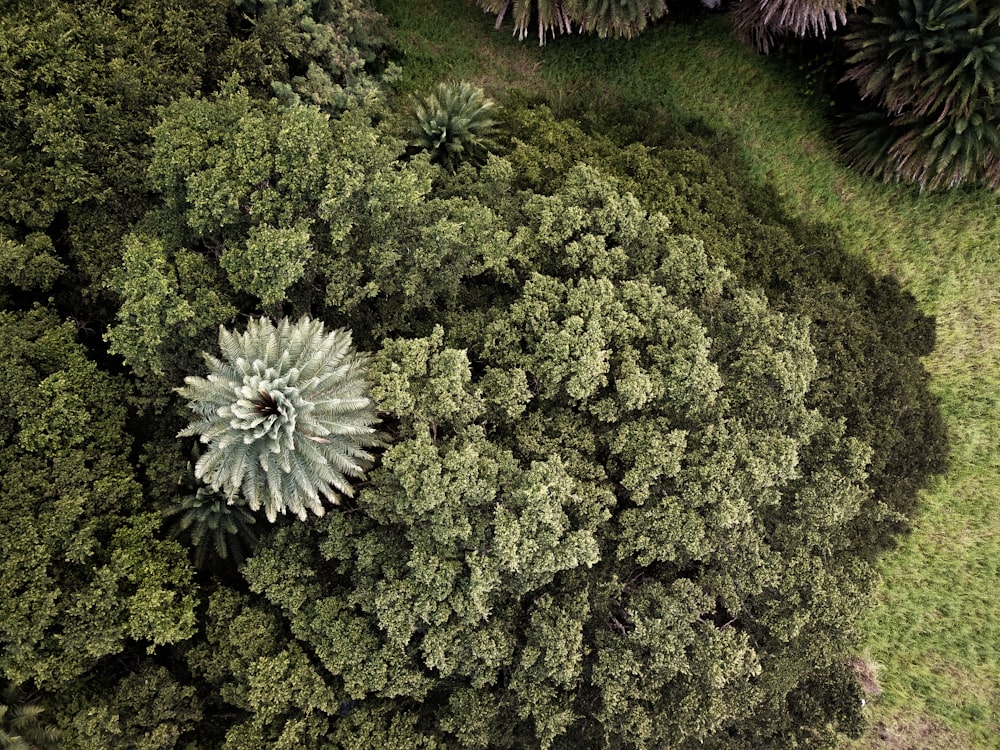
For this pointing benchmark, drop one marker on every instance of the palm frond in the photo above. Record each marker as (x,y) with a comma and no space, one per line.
(453,123)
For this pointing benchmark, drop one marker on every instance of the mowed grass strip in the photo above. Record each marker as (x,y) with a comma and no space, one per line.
(935,635)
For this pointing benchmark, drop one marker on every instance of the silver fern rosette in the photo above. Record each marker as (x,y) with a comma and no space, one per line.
(285,415)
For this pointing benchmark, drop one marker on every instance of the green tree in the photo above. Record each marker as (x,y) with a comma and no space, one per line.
(146,708)
(285,416)
(85,572)
(291,207)
(330,53)
(166,298)
(608,516)
(82,88)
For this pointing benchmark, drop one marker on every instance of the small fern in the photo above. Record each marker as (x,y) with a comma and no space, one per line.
(213,527)
(285,416)
(453,123)
(22,724)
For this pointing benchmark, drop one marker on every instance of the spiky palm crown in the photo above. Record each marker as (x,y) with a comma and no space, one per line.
(934,153)
(606,18)
(761,22)
(285,416)
(550,16)
(923,57)
(22,726)
(615,18)
(453,123)
(213,526)
(933,66)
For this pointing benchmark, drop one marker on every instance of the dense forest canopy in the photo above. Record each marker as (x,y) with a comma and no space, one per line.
(598,446)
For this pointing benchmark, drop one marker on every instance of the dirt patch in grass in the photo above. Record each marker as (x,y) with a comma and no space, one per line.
(503,68)
(915,733)
(867,673)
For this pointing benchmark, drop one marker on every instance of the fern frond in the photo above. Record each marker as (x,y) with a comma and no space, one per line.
(285,416)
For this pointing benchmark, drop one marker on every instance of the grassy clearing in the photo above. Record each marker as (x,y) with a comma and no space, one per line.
(936,631)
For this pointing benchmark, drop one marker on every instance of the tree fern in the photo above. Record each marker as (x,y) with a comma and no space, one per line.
(214,527)
(285,416)
(453,123)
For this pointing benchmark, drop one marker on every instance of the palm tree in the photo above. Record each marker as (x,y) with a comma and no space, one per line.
(761,22)
(21,724)
(932,67)
(214,527)
(453,123)
(606,18)
(931,152)
(285,416)
(615,18)
(549,15)
(921,57)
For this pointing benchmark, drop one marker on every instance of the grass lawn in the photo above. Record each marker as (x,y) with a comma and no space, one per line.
(935,635)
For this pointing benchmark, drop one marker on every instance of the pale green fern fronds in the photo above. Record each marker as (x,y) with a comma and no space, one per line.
(285,415)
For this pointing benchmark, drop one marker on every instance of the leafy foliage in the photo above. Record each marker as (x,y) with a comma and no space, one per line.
(146,708)
(453,123)
(933,69)
(85,572)
(632,498)
(330,53)
(82,87)
(763,22)
(617,461)
(285,417)
(164,300)
(868,333)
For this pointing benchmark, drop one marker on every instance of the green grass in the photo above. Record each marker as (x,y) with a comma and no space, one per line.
(935,633)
